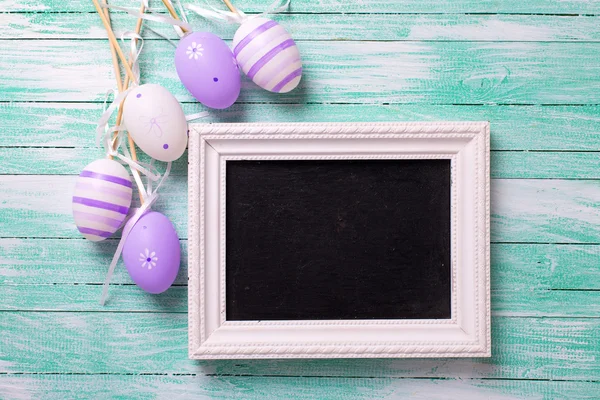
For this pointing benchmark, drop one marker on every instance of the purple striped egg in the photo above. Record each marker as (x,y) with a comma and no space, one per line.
(101,199)
(268,55)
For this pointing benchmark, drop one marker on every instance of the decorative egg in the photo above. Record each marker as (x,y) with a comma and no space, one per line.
(156,122)
(207,69)
(101,199)
(268,55)
(151,253)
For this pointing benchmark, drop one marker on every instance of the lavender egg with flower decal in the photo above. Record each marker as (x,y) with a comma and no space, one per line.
(207,69)
(101,199)
(268,55)
(151,253)
(156,122)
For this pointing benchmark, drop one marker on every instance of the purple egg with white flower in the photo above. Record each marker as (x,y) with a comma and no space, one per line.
(151,253)
(207,69)
(268,55)
(101,199)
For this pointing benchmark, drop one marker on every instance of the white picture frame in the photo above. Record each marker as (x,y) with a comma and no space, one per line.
(466,334)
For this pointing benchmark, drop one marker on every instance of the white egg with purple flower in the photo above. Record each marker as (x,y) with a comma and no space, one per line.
(156,122)
(268,55)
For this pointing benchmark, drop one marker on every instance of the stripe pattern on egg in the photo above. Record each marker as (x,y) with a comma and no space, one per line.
(101,199)
(268,55)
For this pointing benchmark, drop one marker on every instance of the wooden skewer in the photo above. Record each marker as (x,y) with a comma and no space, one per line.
(173,13)
(229,5)
(113,53)
(138,29)
(113,39)
(116,67)
(124,86)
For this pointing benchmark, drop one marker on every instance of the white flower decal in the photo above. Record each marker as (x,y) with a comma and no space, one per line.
(148,259)
(194,50)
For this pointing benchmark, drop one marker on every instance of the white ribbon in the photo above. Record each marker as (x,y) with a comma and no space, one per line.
(151,197)
(191,117)
(157,33)
(151,15)
(128,226)
(134,53)
(238,17)
(101,128)
(104,134)
(181,10)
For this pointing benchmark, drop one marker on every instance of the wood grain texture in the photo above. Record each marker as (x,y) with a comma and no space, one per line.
(572,7)
(512,127)
(506,301)
(523,210)
(235,387)
(523,348)
(531,68)
(334,72)
(528,280)
(504,164)
(77,261)
(374,27)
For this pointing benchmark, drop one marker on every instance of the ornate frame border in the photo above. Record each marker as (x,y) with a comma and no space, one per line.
(466,334)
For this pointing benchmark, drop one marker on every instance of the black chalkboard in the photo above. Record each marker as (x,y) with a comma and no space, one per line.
(349,239)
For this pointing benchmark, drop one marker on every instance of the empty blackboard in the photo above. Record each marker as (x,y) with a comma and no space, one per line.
(338,239)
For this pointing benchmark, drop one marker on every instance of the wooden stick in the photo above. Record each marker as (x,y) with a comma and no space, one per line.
(229,5)
(138,29)
(124,86)
(173,13)
(113,39)
(113,53)
(116,67)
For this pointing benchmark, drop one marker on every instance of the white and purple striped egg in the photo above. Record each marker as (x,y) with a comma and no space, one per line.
(101,199)
(268,55)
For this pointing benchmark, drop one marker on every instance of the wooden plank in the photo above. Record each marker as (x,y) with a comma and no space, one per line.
(78,261)
(544,211)
(527,280)
(529,302)
(339,6)
(234,387)
(92,342)
(512,127)
(65,161)
(66,261)
(511,165)
(507,301)
(538,165)
(544,267)
(335,72)
(523,210)
(86,297)
(438,27)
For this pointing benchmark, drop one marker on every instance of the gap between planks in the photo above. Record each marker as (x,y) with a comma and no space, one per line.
(436,378)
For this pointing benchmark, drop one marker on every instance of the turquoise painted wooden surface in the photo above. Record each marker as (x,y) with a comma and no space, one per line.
(532,68)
